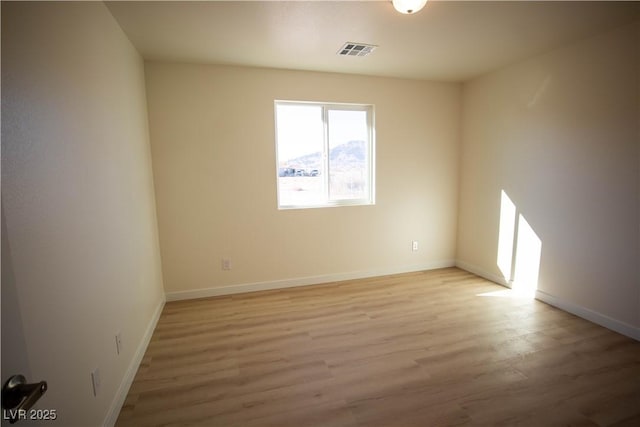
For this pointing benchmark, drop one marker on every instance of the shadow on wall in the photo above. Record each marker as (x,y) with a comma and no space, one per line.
(519,251)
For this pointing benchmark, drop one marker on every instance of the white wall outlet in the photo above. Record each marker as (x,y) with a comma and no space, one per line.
(95,381)
(414,245)
(119,343)
(226,264)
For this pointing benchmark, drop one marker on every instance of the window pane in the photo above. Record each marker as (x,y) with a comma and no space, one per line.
(300,134)
(348,155)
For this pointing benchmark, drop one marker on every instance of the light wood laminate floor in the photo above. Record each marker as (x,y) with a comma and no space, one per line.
(419,349)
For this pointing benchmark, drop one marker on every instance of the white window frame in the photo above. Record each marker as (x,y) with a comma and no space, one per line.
(369,199)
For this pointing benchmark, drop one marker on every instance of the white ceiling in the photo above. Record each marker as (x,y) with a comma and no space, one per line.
(447,40)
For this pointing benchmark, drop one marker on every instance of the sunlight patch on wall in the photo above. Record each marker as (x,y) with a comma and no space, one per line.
(528,251)
(519,252)
(505,235)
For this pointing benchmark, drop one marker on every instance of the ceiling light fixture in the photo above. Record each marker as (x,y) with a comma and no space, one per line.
(408,6)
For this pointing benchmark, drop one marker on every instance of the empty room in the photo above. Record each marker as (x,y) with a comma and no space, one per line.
(320,213)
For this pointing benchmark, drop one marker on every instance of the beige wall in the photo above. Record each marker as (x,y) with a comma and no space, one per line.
(212,134)
(77,191)
(559,134)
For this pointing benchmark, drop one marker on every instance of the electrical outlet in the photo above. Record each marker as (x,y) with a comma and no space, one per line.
(95,381)
(414,245)
(226,264)
(119,343)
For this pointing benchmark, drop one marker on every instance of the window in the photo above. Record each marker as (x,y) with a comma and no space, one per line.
(325,154)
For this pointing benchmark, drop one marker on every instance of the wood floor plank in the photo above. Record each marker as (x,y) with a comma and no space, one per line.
(421,349)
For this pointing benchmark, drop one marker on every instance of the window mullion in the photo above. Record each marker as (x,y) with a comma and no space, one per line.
(325,120)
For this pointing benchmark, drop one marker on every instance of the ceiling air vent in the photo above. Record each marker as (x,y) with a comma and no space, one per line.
(356,49)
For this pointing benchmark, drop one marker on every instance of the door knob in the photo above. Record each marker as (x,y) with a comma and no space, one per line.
(18,396)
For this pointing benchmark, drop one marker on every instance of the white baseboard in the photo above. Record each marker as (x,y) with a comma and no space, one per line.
(127,380)
(590,315)
(301,281)
(585,313)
